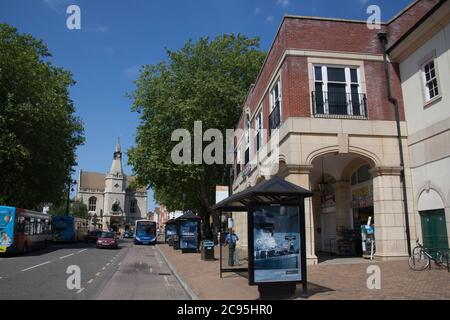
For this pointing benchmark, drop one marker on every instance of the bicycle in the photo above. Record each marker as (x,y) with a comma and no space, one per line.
(421,258)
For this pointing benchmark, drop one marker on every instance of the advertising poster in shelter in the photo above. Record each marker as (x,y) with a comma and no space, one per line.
(276,244)
(171,230)
(188,234)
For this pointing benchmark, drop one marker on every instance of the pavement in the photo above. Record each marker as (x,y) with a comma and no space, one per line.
(332,279)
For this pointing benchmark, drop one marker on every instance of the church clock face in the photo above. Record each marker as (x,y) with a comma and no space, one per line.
(116,185)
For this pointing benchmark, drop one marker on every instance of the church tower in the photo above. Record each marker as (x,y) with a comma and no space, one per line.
(114,208)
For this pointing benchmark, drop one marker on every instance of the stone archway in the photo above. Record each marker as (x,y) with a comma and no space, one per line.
(336,215)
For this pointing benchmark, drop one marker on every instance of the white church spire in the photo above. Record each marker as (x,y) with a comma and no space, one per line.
(116,167)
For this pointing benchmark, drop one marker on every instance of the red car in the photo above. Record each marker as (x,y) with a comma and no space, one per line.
(107,240)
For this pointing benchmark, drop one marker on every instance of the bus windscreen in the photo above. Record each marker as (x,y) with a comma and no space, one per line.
(145,229)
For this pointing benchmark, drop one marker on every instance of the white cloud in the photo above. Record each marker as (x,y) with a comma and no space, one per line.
(284,3)
(270,19)
(257,11)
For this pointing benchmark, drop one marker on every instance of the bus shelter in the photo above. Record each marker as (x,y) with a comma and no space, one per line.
(170,231)
(188,225)
(276,235)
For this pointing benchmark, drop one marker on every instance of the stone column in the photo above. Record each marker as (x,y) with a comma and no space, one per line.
(390,227)
(299,175)
(316,209)
(342,197)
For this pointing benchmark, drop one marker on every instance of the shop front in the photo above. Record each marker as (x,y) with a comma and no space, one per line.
(343,206)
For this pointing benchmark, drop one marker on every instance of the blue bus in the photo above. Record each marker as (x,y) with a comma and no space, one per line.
(69,229)
(23,230)
(145,232)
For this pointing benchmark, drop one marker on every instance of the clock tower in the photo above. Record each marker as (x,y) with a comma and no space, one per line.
(115,190)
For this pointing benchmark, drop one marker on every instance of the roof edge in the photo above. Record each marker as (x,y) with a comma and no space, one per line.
(328,19)
(402,12)
(417,25)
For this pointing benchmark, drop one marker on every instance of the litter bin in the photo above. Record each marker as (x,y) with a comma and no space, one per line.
(207,250)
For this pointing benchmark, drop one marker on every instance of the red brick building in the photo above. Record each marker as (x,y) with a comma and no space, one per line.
(319,116)
(162,215)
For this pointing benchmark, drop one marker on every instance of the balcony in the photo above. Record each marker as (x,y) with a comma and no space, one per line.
(274,119)
(339,105)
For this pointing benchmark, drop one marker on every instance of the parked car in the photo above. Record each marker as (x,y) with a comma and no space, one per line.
(107,240)
(92,236)
(128,234)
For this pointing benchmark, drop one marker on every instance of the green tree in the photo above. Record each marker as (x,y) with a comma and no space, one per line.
(39,132)
(76,208)
(204,81)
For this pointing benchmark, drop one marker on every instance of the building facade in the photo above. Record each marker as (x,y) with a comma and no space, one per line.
(424,58)
(319,116)
(113,202)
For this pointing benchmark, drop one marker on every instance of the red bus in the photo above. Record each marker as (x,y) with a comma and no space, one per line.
(23,230)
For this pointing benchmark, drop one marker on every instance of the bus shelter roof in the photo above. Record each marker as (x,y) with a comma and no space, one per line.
(171,221)
(188,216)
(273,191)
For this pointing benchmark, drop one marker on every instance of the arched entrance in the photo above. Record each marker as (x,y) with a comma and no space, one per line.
(342,203)
(432,216)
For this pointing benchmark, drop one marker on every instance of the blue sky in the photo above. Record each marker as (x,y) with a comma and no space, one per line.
(119,36)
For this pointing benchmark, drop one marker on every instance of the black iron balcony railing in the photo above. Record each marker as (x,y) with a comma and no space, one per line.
(338,104)
(274,119)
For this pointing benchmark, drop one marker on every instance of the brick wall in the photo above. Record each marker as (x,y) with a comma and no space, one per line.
(408,18)
(336,36)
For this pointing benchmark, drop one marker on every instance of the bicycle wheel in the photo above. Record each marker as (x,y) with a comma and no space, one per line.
(419,261)
(441,259)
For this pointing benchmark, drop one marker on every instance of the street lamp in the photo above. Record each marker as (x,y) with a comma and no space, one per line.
(69,188)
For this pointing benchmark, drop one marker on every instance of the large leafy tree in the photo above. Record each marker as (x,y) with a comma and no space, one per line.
(39,132)
(76,208)
(206,81)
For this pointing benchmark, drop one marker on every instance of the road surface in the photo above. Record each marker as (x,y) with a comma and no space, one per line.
(130,272)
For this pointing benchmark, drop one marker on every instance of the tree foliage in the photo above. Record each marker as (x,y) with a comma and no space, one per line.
(204,81)
(76,208)
(39,132)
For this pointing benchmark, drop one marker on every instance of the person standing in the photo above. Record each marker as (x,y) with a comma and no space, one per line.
(231,240)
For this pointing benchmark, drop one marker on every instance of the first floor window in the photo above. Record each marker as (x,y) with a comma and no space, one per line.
(259,131)
(337,91)
(238,159)
(133,206)
(430,80)
(92,203)
(275,107)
